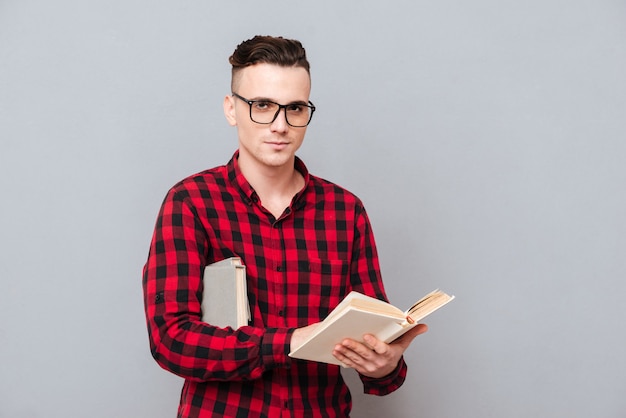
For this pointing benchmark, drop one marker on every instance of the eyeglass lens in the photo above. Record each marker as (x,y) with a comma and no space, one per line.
(266,112)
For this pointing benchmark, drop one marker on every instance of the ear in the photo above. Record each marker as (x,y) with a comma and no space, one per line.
(229,110)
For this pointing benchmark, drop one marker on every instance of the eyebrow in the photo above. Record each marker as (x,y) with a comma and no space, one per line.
(267,99)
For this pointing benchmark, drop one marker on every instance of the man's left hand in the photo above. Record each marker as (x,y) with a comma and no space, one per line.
(375,358)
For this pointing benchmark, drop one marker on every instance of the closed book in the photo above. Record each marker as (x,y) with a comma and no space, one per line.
(225,294)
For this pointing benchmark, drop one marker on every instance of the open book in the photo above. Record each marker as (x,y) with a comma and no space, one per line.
(225,294)
(359,314)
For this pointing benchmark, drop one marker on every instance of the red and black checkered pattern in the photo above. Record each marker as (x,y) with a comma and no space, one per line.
(298,267)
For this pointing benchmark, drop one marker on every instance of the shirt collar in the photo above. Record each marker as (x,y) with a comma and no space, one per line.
(236,177)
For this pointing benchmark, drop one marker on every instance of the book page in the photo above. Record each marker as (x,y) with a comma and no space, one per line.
(428,304)
(360,301)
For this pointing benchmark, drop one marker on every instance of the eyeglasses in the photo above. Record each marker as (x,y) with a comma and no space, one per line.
(265,112)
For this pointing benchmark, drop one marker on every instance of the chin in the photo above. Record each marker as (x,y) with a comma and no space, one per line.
(278,160)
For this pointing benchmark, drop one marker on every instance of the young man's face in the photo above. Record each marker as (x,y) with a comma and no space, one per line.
(275,144)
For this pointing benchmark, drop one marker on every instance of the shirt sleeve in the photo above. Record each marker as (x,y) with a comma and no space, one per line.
(366,278)
(387,384)
(172,288)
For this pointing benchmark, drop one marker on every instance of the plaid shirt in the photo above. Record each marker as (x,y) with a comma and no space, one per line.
(299,267)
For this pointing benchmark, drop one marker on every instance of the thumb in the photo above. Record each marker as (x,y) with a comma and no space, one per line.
(406,339)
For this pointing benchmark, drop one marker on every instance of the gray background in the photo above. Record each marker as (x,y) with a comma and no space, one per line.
(486,138)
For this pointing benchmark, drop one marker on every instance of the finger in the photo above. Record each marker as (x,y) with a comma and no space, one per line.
(378,346)
(406,339)
(357,351)
(347,356)
(418,330)
(342,358)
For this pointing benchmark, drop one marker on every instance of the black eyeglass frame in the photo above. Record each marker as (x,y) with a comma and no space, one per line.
(280,107)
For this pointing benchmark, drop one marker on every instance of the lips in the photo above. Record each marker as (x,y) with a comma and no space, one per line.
(278,145)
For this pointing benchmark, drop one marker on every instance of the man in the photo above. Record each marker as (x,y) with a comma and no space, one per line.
(306,243)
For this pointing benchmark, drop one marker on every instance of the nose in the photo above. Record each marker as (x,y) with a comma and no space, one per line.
(280,123)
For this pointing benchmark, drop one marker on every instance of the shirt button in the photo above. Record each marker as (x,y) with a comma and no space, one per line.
(279,268)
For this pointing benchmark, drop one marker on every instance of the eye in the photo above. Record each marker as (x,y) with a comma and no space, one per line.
(295,108)
(263,106)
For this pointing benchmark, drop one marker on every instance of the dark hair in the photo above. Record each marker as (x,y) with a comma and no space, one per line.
(268,50)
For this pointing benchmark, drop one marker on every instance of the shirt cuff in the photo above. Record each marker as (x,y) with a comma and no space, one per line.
(387,384)
(275,347)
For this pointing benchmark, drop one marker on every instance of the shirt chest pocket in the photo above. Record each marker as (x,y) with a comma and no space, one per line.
(323,283)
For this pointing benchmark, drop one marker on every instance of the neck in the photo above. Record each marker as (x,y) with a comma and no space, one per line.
(275,185)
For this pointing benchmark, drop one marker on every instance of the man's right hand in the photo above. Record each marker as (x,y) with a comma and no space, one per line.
(301,334)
